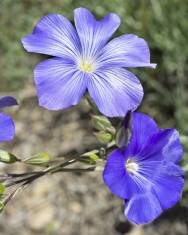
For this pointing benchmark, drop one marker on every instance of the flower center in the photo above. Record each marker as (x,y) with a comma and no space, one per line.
(86,67)
(131,166)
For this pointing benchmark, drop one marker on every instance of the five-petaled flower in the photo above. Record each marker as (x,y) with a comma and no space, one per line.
(7,129)
(145,173)
(85,60)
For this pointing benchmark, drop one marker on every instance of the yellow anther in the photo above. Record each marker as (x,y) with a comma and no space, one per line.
(86,67)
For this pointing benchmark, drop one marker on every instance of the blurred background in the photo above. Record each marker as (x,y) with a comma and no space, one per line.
(80,204)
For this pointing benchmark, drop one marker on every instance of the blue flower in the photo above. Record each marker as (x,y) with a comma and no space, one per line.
(145,173)
(85,60)
(7,129)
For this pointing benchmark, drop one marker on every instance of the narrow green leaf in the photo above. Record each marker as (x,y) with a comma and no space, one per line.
(2,189)
(1,206)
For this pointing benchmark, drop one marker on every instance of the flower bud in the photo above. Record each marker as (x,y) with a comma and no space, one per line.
(123,134)
(104,137)
(41,159)
(92,156)
(8,158)
(101,123)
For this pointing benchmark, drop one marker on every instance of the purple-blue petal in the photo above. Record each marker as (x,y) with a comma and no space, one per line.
(7,129)
(118,180)
(143,127)
(165,178)
(115,91)
(53,35)
(168,184)
(173,150)
(114,174)
(7,101)
(153,182)
(163,145)
(163,181)
(143,208)
(59,84)
(94,34)
(126,51)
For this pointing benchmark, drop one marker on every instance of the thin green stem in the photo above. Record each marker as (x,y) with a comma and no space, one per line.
(74,170)
(93,106)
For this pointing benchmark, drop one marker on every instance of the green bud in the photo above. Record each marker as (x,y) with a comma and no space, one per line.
(101,123)
(92,155)
(104,137)
(7,157)
(41,159)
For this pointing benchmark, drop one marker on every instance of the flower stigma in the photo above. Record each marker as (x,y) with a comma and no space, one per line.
(86,67)
(131,166)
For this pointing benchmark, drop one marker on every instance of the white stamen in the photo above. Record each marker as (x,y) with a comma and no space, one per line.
(131,166)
